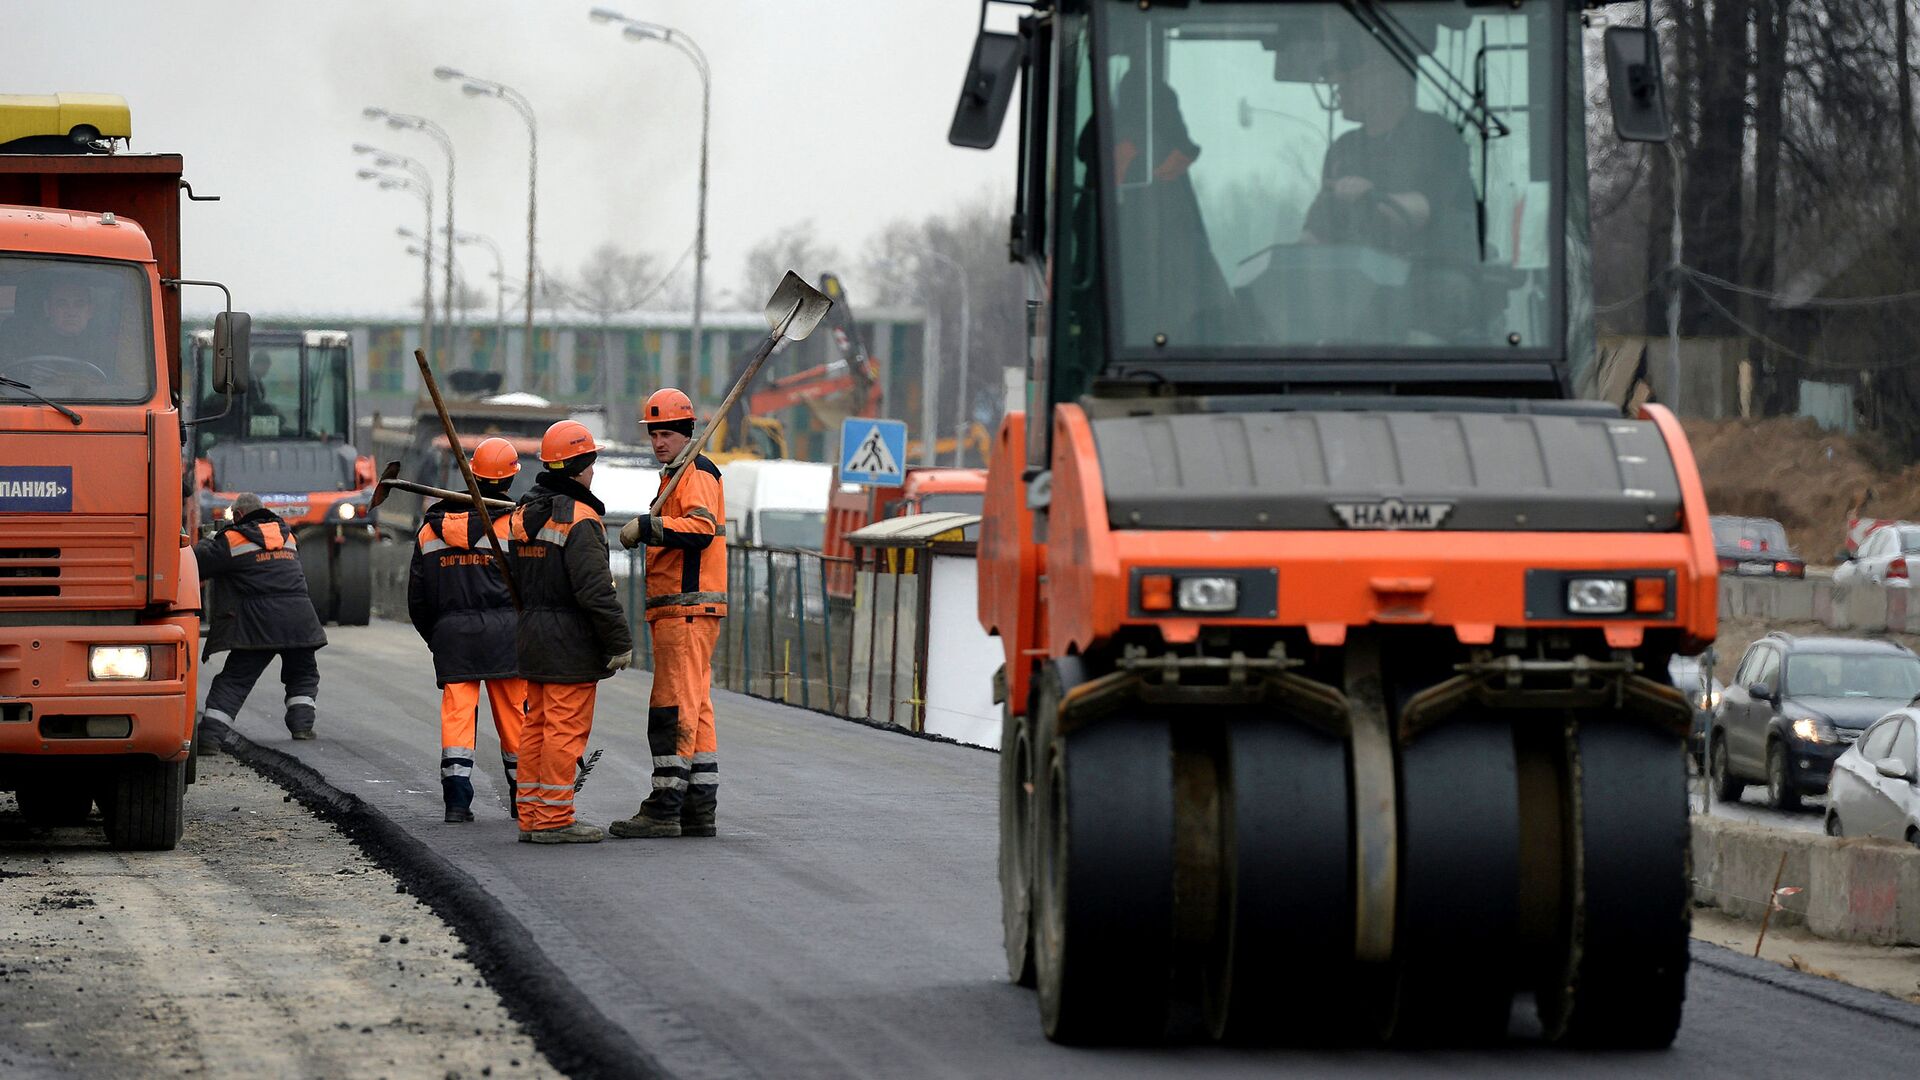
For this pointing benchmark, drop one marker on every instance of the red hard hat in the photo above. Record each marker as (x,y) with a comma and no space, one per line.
(665,406)
(494,459)
(564,440)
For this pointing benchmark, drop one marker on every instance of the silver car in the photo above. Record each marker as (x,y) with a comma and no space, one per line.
(1875,789)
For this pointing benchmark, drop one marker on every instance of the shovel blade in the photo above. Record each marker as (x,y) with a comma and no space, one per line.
(796,308)
(381,489)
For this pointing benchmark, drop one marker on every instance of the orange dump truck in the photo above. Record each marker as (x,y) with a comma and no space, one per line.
(99,595)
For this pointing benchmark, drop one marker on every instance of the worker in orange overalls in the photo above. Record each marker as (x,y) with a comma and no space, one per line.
(573,631)
(462,608)
(686,599)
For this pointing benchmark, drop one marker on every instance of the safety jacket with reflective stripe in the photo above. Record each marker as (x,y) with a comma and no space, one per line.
(687,547)
(259,596)
(571,622)
(458,600)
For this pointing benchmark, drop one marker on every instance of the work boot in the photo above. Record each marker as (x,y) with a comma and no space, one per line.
(642,827)
(458,814)
(526,836)
(697,826)
(304,734)
(576,833)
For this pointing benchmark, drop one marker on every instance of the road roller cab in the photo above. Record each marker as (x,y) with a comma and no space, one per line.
(1329,608)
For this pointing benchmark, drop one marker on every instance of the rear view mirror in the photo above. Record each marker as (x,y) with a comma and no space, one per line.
(1893,769)
(1633,84)
(985,95)
(1759,692)
(232,345)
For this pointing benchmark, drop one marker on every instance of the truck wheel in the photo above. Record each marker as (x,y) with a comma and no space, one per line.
(316,562)
(353,583)
(1627,921)
(1103,913)
(1287,885)
(146,806)
(54,804)
(1016,844)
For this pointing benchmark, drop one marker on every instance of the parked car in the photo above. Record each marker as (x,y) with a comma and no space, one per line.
(1688,675)
(1882,558)
(1794,704)
(1754,547)
(1876,784)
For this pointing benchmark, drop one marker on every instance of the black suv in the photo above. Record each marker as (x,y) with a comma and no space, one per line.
(1795,703)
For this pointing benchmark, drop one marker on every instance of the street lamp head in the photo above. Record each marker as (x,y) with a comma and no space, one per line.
(363,148)
(605,15)
(397,124)
(476,90)
(404,231)
(642,32)
(445,73)
(369,174)
(373,112)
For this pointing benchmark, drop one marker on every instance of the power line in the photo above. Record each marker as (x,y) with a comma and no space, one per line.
(1815,301)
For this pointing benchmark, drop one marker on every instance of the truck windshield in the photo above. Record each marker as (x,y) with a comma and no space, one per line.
(1328,177)
(296,391)
(75,331)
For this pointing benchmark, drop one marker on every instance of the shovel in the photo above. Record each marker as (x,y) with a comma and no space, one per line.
(795,309)
(390,481)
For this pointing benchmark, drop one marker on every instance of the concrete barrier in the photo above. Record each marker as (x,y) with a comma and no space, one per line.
(1863,609)
(1850,889)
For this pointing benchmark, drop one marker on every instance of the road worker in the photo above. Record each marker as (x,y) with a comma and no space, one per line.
(460,605)
(572,634)
(262,610)
(686,599)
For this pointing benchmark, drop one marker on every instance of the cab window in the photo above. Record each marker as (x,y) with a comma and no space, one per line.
(75,331)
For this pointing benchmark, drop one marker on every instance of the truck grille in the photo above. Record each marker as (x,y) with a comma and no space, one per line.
(94,563)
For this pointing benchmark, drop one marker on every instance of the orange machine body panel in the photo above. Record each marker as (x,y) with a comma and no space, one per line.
(113,567)
(1011,563)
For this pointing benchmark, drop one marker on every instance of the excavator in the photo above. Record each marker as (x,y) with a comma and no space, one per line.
(1335,625)
(848,385)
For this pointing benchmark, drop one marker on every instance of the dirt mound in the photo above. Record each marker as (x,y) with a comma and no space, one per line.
(1805,478)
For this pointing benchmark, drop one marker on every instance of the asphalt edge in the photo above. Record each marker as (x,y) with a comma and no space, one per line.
(1828,991)
(564,1023)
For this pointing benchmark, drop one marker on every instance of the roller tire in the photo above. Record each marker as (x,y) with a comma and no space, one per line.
(1727,788)
(1626,973)
(316,562)
(1103,916)
(1781,794)
(1457,925)
(145,807)
(1016,846)
(56,804)
(353,584)
(1285,949)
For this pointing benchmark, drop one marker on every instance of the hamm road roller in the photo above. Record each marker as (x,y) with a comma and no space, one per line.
(1336,622)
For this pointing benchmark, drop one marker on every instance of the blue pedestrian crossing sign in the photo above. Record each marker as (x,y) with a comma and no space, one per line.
(873,452)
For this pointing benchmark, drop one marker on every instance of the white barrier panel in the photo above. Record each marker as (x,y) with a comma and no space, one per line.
(961,658)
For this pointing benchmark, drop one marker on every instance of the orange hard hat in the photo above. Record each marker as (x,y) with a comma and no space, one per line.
(665,406)
(566,440)
(494,459)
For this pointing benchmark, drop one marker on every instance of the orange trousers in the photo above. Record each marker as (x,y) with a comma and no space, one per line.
(459,715)
(686,753)
(559,719)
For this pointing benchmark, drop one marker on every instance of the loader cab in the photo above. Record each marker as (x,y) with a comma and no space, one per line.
(300,390)
(1222,199)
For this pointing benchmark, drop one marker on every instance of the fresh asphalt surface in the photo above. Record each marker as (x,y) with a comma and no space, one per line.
(846,920)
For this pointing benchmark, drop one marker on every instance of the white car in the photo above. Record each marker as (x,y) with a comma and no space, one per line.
(1875,787)
(1883,557)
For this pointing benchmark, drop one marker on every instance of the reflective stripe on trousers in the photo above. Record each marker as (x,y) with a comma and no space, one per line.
(680,732)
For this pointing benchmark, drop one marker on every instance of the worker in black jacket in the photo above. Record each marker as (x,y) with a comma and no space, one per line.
(573,631)
(263,611)
(459,603)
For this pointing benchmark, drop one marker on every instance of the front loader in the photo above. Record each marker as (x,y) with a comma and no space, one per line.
(1336,625)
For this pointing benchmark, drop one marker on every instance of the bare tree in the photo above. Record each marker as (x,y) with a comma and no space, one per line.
(797,247)
(611,282)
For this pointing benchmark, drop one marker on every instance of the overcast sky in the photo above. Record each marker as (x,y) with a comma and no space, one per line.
(830,110)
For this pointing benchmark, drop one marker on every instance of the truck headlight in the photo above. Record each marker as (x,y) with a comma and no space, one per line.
(1597,596)
(1209,594)
(346,511)
(118,662)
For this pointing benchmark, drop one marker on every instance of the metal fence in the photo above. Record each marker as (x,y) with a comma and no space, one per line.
(784,639)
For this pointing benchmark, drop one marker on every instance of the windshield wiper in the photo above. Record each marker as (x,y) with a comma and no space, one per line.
(1406,50)
(49,402)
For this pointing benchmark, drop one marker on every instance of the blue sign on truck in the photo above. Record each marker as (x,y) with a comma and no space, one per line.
(36,489)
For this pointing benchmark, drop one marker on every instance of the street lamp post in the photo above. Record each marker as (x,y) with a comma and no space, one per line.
(408,122)
(964,406)
(636,30)
(499,286)
(477,87)
(424,189)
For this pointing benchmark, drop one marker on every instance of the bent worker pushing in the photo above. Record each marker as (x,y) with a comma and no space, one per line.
(686,599)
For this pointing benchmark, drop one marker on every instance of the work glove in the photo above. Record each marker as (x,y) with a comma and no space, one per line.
(618,663)
(631,531)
